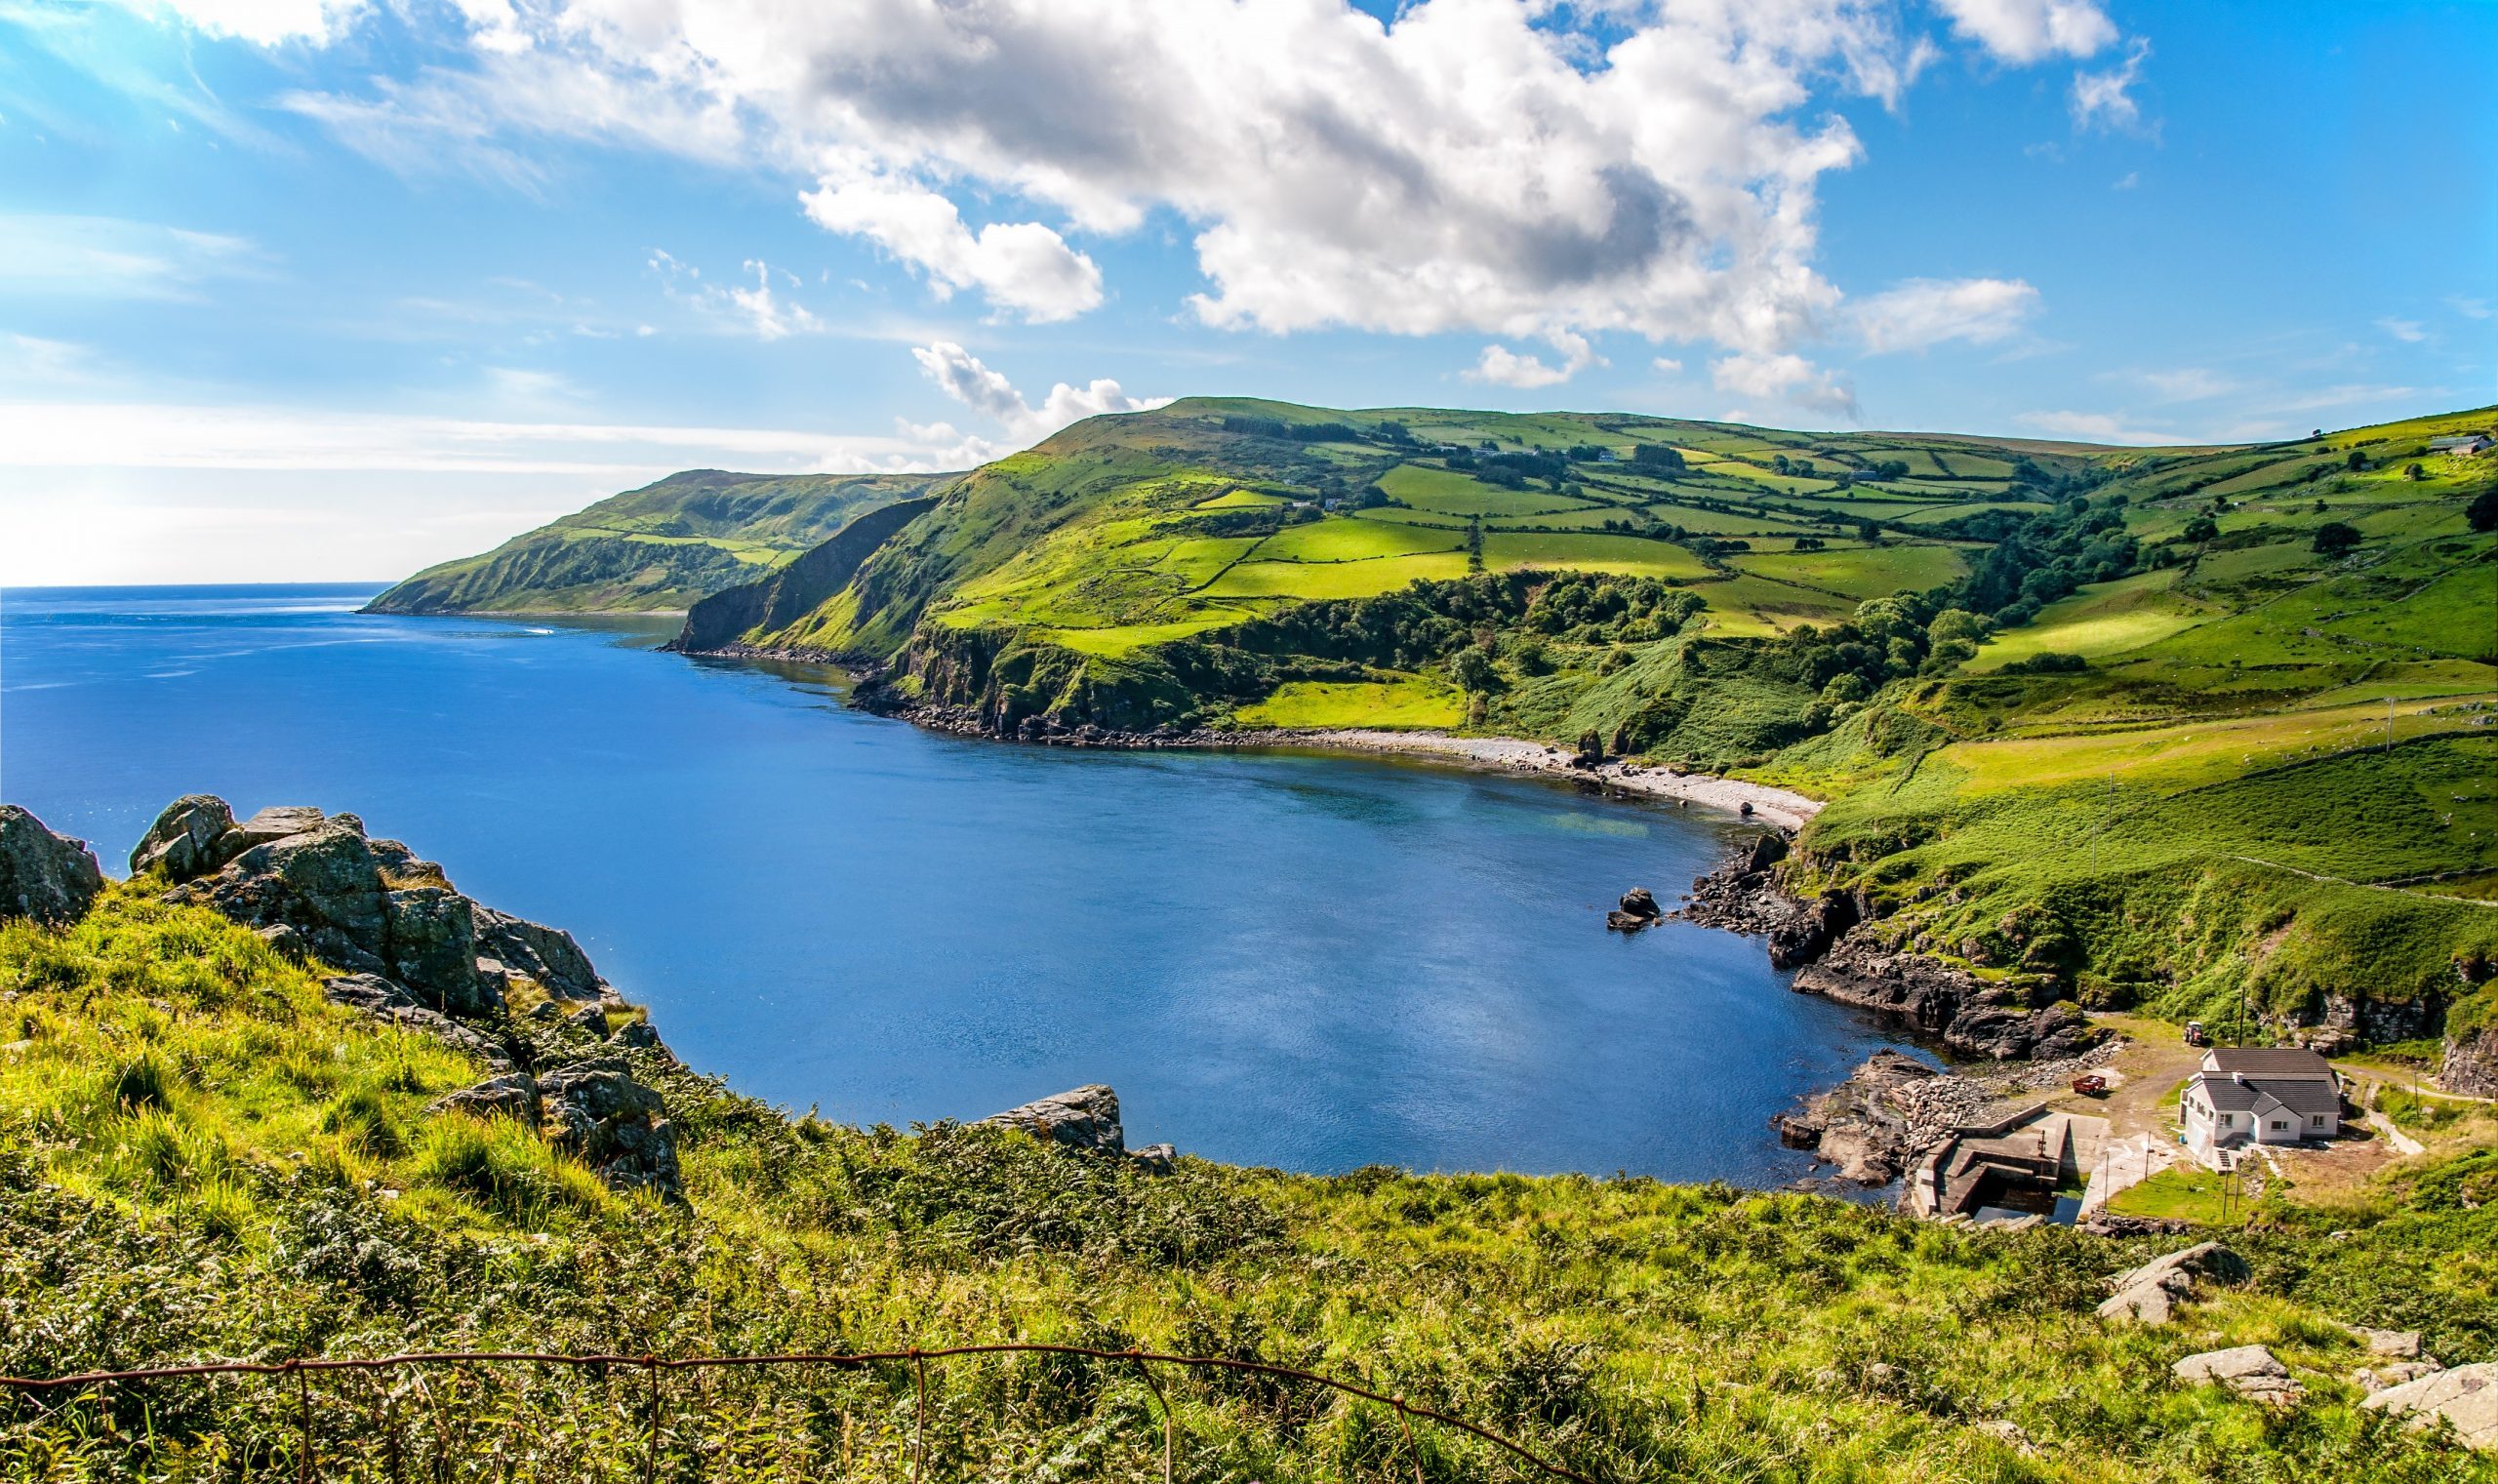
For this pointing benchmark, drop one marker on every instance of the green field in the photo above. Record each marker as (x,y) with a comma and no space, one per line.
(1860,571)
(1394,705)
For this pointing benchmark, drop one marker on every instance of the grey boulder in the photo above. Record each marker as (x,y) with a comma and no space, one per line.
(2466,1396)
(509,1095)
(2250,1370)
(2146,1294)
(193,836)
(595,1111)
(48,878)
(1083,1118)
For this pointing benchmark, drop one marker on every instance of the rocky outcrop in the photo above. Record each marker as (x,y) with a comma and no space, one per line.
(2470,1065)
(2250,1370)
(48,878)
(1973,1016)
(1085,1118)
(595,1111)
(388,1000)
(2148,1294)
(1889,1110)
(323,889)
(506,1095)
(2466,1396)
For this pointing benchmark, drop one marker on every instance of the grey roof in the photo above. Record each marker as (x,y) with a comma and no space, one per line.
(2296,1094)
(2269,1061)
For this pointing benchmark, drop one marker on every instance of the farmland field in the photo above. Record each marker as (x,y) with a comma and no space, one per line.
(1862,572)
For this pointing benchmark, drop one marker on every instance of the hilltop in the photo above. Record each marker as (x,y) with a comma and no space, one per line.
(656,548)
(2121,727)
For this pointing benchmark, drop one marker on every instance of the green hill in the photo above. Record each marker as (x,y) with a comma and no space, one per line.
(2110,719)
(659,547)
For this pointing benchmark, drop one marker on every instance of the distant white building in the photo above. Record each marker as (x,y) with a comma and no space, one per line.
(2462,445)
(2248,1094)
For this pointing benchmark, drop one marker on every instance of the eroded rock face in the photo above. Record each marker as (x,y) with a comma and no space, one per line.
(2471,1064)
(1970,1015)
(363,905)
(1875,1123)
(48,878)
(388,1000)
(2466,1396)
(596,1111)
(509,1095)
(1084,1118)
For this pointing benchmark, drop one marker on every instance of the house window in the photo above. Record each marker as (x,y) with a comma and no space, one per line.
(2278,1124)
(2319,1120)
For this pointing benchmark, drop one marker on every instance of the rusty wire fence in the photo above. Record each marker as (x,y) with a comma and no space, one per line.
(383,1449)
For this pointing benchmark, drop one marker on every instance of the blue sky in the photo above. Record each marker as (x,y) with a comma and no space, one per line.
(302,290)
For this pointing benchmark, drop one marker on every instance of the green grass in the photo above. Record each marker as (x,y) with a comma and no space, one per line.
(211,1162)
(1860,571)
(2190,1193)
(1406,702)
(1627,555)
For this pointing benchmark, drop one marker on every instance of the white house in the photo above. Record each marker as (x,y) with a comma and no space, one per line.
(2463,446)
(2259,1096)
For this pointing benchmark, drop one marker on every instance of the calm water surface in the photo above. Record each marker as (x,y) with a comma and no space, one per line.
(1311,962)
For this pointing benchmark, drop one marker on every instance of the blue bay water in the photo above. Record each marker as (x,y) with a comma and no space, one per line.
(1304,961)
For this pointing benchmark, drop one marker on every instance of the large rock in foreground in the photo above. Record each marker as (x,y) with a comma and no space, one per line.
(319,885)
(2148,1294)
(50,878)
(2466,1396)
(2250,1370)
(1086,1118)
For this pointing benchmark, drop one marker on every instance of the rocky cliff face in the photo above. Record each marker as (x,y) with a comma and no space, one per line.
(47,877)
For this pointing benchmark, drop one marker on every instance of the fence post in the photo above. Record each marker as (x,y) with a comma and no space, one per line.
(1405,1419)
(304,1417)
(919,1428)
(651,1455)
(1161,1401)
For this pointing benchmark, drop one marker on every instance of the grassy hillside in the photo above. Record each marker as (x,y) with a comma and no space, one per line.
(2113,715)
(200,1157)
(659,547)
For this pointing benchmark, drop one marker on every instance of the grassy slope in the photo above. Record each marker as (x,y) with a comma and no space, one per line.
(658,547)
(2224,690)
(199,1158)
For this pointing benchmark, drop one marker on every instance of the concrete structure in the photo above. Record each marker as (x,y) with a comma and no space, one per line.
(2259,1095)
(2006,1168)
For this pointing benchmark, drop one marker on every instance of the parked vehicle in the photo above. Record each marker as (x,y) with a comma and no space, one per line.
(2195,1035)
(2090,1085)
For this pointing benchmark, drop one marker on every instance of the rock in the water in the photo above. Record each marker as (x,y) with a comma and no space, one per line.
(1639,902)
(50,878)
(1085,1118)
(509,1095)
(1618,921)
(193,836)
(2147,1295)
(2250,1370)
(2466,1396)
(596,1111)
(368,906)
(1874,1123)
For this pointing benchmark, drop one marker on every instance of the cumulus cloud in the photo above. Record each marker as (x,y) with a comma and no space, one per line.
(1022,267)
(2408,331)
(963,376)
(771,316)
(1928,311)
(2104,100)
(2024,31)
(2187,384)
(1499,366)
(1667,364)
(1786,376)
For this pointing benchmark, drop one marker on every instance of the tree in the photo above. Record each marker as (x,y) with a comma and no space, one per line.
(2483,512)
(1472,671)
(2336,538)
(2414,472)
(1656,456)
(2357,462)
(2201,529)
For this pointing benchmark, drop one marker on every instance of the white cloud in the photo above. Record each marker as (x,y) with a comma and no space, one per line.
(2469,308)
(1021,266)
(1788,378)
(2104,100)
(1928,311)
(69,256)
(1499,366)
(1668,365)
(771,318)
(171,436)
(2024,31)
(2095,428)
(265,22)
(2408,331)
(2187,384)
(2128,181)
(960,375)
(1500,167)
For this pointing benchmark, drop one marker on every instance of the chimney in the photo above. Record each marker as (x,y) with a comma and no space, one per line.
(2239,1077)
